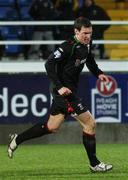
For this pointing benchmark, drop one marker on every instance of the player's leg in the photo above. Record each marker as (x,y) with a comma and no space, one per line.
(88,125)
(89,141)
(37,130)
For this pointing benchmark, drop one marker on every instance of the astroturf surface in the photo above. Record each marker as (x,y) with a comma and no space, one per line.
(67,162)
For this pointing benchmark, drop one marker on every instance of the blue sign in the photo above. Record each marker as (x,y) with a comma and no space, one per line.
(24,98)
(106,109)
(109,102)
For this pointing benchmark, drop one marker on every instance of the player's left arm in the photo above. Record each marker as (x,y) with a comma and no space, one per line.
(93,67)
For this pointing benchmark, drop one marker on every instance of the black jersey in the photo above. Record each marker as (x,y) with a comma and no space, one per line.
(66,63)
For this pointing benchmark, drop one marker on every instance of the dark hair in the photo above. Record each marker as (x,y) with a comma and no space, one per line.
(82,21)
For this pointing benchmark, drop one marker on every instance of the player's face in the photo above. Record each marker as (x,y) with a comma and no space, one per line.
(88,3)
(84,35)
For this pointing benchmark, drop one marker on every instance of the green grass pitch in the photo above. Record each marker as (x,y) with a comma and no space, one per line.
(66,162)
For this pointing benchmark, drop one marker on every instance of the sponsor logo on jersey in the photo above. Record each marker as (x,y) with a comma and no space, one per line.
(78,62)
(83,61)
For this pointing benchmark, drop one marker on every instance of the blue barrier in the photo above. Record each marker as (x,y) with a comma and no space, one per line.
(25,98)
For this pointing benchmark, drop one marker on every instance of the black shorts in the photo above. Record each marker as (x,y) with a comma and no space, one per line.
(68,105)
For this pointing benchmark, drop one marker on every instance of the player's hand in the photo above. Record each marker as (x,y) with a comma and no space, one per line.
(103,77)
(64,91)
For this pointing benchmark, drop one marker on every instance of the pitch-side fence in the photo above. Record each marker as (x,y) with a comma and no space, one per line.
(59,23)
(34,67)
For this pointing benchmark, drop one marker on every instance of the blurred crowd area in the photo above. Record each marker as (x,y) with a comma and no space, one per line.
(55,10)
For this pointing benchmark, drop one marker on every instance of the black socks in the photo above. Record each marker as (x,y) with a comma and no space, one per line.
(89,142)
(40,129)
(34,132)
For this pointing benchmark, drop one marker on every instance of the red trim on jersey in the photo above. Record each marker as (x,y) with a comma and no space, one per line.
(70,109)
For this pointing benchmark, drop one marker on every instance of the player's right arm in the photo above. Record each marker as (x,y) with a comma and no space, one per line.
(57,57)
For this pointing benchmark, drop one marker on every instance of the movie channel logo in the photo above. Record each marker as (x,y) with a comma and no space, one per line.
(106,101)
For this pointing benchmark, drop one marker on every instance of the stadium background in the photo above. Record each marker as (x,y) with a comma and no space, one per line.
(22,91)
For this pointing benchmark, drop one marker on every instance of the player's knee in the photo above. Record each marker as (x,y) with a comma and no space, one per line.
(90,127)
(91,124)
(53,128)
(55,122)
